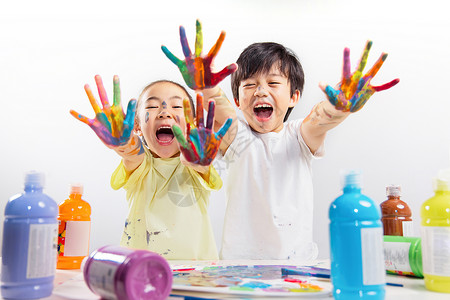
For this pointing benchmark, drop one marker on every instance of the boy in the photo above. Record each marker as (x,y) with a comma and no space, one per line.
(270,192)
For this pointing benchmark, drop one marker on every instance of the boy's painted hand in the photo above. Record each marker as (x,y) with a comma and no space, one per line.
(201,143)
(196,68)
(355,89)
(111,125)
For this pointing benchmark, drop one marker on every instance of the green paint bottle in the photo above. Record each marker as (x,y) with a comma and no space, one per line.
(403,255)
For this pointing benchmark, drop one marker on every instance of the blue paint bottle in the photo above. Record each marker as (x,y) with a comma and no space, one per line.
(356,241)
(29,249)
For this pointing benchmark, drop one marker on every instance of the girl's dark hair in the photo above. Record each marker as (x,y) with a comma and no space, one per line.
(163,81)
(260,57)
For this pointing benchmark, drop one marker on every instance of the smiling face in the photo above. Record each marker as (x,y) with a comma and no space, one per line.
(159,107)
(264,98)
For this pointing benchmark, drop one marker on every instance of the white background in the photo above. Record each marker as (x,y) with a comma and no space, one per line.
(50,49)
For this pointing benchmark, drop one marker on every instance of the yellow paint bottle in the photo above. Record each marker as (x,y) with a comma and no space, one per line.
(435,230)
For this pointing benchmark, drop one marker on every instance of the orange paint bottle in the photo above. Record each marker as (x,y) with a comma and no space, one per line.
(74,229)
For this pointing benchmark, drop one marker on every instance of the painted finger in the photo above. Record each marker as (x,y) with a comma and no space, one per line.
(386,85)
(376,67)
(346,75)
(188,112)
(179,136)
(128,123)
(365,55)
(195,138)
(346,68)
(92,99)
(116,83)
(80,117)
(332,95)
(200,119)
(223,130)
(218,77)
(198,39)
(184,43)
(215,49)
(211,112)
(170,56)
(188,129)
(102,94)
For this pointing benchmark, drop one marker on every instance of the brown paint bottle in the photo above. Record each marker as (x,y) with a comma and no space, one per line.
(396,214)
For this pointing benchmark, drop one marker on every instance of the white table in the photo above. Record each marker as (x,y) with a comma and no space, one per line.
(69,285)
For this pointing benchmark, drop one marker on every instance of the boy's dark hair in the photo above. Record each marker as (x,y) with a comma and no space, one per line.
(260,57)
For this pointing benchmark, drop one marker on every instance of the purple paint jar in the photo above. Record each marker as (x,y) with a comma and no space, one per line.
(115,272)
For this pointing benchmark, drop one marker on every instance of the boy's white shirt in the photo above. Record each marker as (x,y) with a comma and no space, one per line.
(270,195)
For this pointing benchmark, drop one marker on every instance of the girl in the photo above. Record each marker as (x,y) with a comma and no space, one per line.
(167,196)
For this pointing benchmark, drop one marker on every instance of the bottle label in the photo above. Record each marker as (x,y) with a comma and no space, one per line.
(436,250)
(101,273)
(73,238)
(396,257)
(372,256)
(41,261)
(408,228)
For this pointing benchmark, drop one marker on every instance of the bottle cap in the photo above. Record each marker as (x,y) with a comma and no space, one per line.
(351,177)
(35,179)
(393,190)
(76,188)
(442,181)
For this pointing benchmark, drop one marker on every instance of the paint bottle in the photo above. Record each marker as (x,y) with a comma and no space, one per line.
(356,241)
(74,229)
(435,230)
(115,272)
(395,213)
(403,255)
(30,232)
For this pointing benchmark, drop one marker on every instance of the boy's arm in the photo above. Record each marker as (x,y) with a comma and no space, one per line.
(350,96)
(224,110)
(323,117)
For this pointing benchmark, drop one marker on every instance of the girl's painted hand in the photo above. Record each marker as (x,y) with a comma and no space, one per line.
(110,124)
(196,68)
(201,143)
(355,89)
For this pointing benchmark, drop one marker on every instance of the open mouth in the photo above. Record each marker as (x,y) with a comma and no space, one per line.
(164,135)
(263,112)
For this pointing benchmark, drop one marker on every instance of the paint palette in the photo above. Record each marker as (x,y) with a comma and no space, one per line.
(243,280)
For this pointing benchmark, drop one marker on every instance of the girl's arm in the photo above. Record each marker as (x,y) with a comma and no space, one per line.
(112,126)
(224,110)
(132,153)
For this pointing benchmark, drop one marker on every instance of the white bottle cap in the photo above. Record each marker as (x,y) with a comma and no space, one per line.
(34,178)
(442,181)
(76,188)
(351,177)
(393,190)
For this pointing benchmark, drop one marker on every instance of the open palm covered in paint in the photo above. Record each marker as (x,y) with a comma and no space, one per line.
(110,124)
(196,68)
(355,89)
(201,143)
